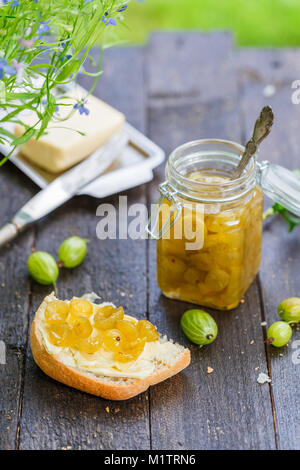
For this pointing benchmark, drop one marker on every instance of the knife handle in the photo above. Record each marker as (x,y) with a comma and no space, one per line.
(7,233)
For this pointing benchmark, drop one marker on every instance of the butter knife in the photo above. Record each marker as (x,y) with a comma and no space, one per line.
(63,188)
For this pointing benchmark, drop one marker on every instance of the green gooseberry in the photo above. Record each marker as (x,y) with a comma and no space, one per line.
(199,326)
(72,252)
(43,268)
(279,334)
(289,310)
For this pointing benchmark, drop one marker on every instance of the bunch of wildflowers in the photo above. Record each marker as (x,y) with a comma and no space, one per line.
(44,45)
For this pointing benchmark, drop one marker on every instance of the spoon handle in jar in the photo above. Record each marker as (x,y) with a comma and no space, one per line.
(261,130)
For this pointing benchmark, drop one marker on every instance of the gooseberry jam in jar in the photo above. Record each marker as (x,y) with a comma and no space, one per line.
(209,226)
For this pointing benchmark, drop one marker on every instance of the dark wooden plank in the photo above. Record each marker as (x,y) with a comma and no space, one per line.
(55,416)
(281,254)
(120,84)
(11,374)
(179,70)
(193,410)
(268,66)
(15,190)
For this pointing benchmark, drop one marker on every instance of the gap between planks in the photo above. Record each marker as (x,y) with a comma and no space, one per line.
(263,316)
(23,371)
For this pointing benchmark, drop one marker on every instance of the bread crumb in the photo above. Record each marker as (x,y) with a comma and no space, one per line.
(107,409)
(263,323)
(242,301)
(252,341)
(269,91)
(263,378)
(117,410)
(209,370)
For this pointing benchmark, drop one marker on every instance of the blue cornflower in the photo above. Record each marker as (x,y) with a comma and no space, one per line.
(64,44)
(123,8)
(44,29)
(14,3)
(81,108)
(6,69)
(111,21)
(66,57)
(108,21)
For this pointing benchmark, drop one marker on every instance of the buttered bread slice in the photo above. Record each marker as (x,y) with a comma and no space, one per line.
(100,350)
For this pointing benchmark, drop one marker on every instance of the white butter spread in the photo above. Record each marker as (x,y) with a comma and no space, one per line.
(61,147)
(156,353)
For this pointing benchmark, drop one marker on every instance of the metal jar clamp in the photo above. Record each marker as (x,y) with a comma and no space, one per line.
(167,192)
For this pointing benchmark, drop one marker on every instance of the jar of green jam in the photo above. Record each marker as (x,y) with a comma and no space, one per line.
(209,227)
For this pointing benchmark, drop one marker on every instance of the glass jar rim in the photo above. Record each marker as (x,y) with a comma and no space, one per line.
(181,183)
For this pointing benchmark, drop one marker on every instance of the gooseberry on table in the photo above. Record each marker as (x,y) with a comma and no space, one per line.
(43,268)
(279,334)
(289,310)
(72,252)
(199,326)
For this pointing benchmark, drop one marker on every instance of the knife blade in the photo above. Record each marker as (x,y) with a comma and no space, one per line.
(63,188)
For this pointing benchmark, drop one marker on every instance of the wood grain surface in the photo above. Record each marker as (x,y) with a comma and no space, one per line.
(221,410)
(178,88)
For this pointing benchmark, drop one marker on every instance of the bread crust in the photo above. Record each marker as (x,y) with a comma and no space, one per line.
(51,365)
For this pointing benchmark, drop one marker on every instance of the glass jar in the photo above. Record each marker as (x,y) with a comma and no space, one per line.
(209,227)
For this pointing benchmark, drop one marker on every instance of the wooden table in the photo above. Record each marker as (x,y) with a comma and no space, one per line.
(178,88)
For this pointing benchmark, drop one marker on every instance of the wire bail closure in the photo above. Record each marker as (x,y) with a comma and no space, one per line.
(167,191)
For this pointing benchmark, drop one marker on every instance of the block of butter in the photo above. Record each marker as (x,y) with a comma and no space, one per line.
(62,147)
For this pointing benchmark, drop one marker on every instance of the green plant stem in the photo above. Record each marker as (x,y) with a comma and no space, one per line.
(49,41)
(268,213)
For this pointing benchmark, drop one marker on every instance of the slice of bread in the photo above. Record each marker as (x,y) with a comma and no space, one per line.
(112,388)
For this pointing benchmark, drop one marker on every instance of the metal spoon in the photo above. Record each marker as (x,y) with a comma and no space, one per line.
(262,129)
